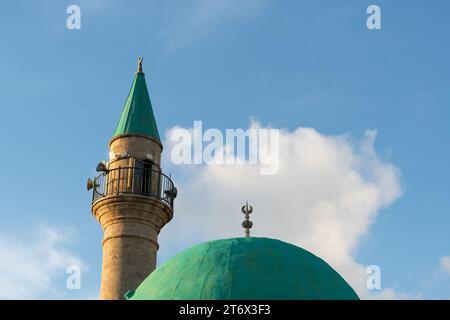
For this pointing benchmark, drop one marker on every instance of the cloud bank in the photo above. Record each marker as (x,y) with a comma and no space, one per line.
(35,268)
(445,264)
(327,193)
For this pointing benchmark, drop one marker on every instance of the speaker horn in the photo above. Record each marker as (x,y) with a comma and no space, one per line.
(90,184)
(171,193)
(102,167)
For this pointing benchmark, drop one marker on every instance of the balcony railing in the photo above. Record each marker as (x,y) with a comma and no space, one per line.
(135,181)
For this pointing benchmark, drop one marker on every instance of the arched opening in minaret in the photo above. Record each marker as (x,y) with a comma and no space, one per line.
(145,177)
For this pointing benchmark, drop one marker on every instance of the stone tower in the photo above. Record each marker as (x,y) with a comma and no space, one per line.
(132,198)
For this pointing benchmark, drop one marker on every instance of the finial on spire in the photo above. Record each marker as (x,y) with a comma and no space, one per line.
(247,224)
(140,60)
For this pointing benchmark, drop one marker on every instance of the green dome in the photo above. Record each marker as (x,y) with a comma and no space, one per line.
(243,268)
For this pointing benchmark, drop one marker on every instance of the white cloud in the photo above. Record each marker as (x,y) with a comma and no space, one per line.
(29,268)
(445,263)
(327,193)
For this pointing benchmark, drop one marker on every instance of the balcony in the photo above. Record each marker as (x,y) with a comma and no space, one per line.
(134,181)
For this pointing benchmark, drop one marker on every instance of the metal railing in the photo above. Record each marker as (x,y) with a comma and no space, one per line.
(134,180)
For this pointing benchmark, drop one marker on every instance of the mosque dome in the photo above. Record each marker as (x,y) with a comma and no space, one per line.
(244,268)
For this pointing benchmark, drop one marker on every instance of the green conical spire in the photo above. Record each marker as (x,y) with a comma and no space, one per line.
(137,115)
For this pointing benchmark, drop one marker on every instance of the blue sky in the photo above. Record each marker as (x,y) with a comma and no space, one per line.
(288,64)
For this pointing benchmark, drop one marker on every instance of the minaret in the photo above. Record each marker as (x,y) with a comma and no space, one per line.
(132,198)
